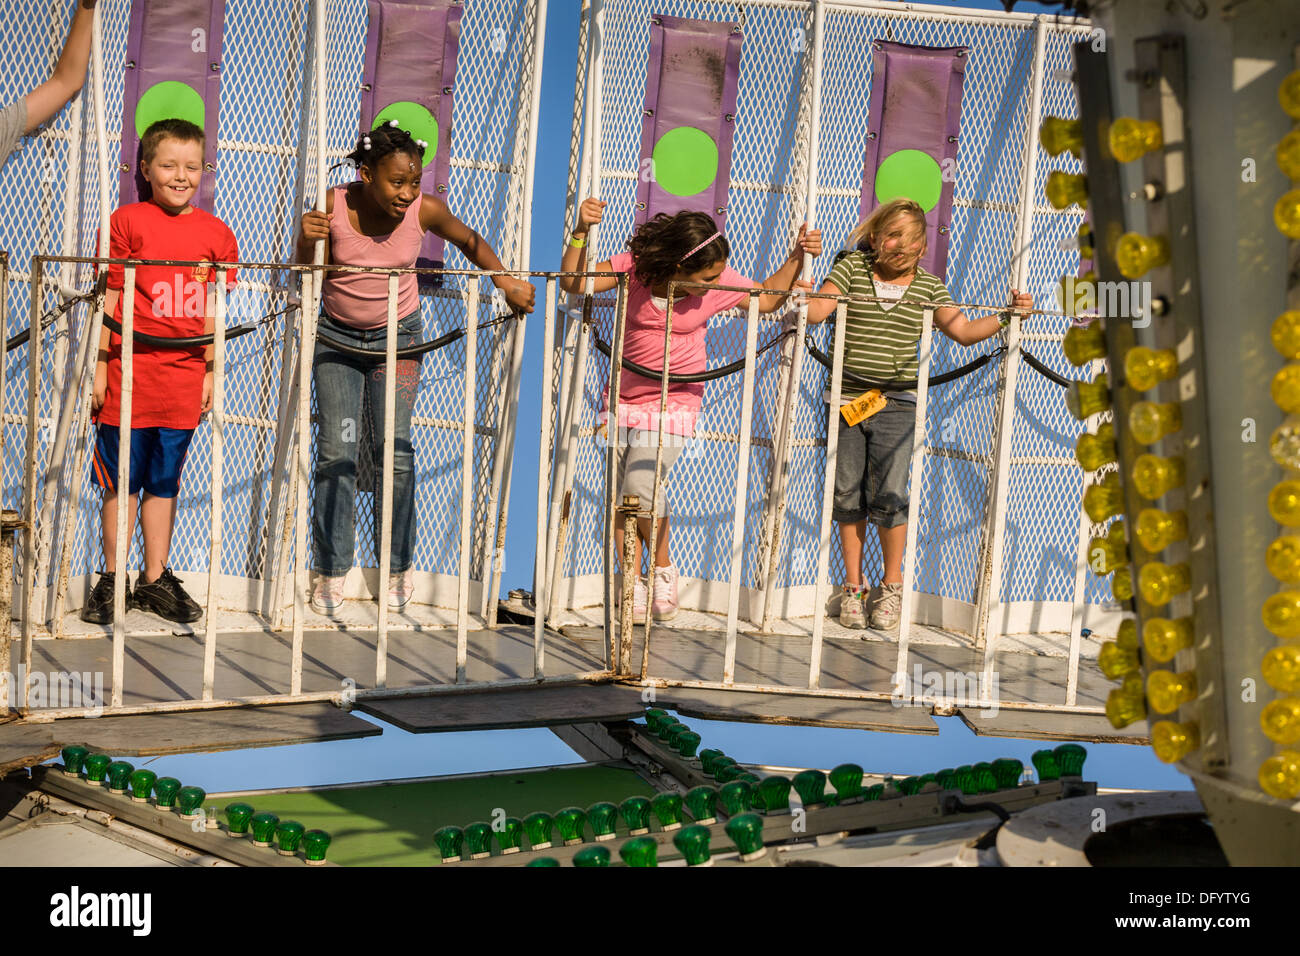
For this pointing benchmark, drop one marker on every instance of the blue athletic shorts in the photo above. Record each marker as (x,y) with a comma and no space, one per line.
(157,456)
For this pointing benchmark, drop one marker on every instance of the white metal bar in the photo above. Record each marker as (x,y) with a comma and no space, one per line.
(306,348)
(742,489)
(652,544)
(218,468)
(385,516)
(828,493)
(613,498)
(123,486)
(466,483)
(34,342)
(914,495)
(547,414)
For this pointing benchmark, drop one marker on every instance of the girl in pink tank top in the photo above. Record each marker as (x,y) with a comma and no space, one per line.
(379,221)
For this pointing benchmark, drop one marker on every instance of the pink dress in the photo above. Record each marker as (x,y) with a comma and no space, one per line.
(638,405)
(360,300)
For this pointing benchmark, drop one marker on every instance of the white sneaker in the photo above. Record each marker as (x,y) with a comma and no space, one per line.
(664,607)
(400,588)
(640,597)
(327,595)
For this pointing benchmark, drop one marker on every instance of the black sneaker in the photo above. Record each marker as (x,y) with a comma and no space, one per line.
(166,598)
(99,605)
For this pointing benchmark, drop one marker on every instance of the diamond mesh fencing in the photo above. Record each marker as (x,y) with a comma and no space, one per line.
(266,176)
(769,183)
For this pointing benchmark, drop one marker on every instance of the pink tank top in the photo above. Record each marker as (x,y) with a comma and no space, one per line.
(361,300)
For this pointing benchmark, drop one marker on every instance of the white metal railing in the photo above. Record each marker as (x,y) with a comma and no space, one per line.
(294,422)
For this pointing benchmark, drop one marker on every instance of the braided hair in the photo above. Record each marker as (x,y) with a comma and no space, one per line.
(658,246)
(383,140)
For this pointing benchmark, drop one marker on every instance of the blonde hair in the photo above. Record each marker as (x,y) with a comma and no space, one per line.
(869,230)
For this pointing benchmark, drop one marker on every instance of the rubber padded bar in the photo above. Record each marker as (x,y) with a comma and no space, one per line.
(861,382)
(689,378)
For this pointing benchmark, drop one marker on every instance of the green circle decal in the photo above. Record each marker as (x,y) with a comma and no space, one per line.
(685,161)
(416,120)
(912,174)
(170,99)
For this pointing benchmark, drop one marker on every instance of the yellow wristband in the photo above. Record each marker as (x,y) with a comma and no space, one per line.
(576,242)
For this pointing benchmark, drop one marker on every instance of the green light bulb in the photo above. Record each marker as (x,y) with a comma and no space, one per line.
(946,779)
(165,790)
(1007,772)
(736,797)
(510,835)
(811,787)
(746,832)
(702,802)
(640,851)
(478,840)
(668,809)
(1069,758)
(537,826)
(238,816)
(96,768)
(288,836)
(592,856)
(985,782)
(666,724)
(262,826)
(74,758)
(1044,762)
(910,786)
(636,814)
(773,795)
(189,801)
(142,782)
(603,817)
(652,717)
(693,844)
(707,758)
(718,763)
(847,781)
(543,861)
(571,821)
(449,841)
(314,845)
(927,779)
(727,772)
(687,743)
(675,732)
(118,776)
(874,792)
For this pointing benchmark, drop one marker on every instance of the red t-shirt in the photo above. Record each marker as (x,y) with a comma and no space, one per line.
(167,386)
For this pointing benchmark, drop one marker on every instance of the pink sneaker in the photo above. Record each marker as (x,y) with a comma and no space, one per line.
(327,595)
(400,589)
(640,595)
(664,606)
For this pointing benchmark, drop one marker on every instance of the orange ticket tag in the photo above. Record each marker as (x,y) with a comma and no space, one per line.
(863,407)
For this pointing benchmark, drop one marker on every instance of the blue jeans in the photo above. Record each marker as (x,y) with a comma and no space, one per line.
(340,379)
(872,464)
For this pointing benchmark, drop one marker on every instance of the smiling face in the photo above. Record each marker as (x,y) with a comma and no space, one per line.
(900,244)
(393,184)
(174,172)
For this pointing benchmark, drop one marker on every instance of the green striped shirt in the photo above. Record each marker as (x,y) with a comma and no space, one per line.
(883,345)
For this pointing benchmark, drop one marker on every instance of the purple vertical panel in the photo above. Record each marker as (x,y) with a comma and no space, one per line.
(916,104)
(411,50)
(176,51)
(692,77)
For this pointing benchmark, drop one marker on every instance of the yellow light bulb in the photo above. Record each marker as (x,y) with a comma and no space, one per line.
(1066,188)
(1083,343)
(1172,742)
(1088,398)
(1154,476)
(1288,94)
(1109,552)
(1284,503)
(1057,135)
(1281,667)
(1160,583)
(1288,155)
(1281,720)
(1121,585)
(1167,691)
(1078,293)
(1164,638)
(1131,139)
(1094,451)
(1151,421)
(1279,776)
(1283,559)
(1282,614)
(1146,368)
(1124,704)
(1157,529)
(1103,500)
(1127,636)
(1285,334)
(1116,662)
(1285,388)
(1286,214)
(1084,237)
(1137,254)
(1284,446)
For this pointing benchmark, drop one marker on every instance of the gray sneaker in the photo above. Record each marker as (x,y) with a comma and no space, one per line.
(889,607)
(851,613)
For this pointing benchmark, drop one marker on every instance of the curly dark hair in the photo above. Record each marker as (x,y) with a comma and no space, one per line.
(658,246)
(385,139)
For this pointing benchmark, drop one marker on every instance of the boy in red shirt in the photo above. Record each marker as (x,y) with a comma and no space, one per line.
(172,387)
